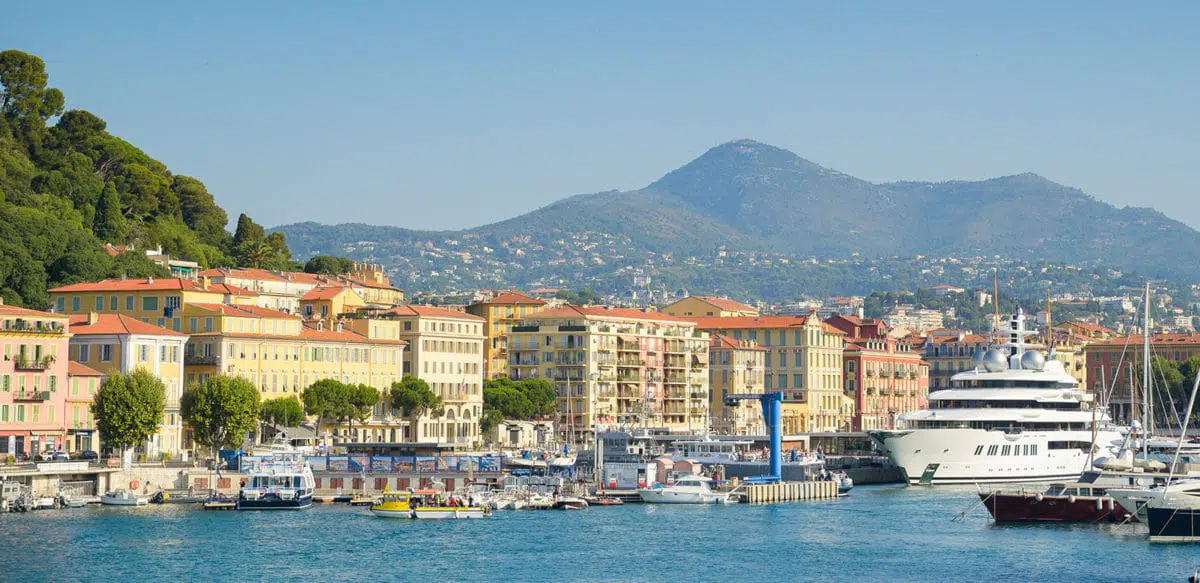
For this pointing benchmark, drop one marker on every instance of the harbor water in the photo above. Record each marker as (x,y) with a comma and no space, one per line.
(879,533)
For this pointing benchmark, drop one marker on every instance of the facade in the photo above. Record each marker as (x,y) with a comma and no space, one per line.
(709,306)
(735,367)
(279,291)
(803,360)
(499,314)
(151,300)
(328,302)
(446,351)
(949,355)
(81,425)
(884,377)
(33,381)
(1116,364)
(616,366)
(114,343)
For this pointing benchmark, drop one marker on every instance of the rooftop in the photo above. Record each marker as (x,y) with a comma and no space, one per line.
(512,297)
(145,284)
(74,369)
(602,312)
(735,322)
(244,311)
(723,342)
(115,324)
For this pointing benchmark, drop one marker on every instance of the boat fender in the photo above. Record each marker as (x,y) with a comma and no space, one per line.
(1099,504)
(133,484)
(1070,499)
(1038,497)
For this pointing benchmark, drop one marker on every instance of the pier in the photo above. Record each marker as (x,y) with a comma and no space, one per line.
(786,492)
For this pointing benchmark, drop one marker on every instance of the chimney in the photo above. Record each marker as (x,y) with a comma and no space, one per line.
(122,277)
(93,318)
(149,280)
(1,300)
(339,326)
(320,324)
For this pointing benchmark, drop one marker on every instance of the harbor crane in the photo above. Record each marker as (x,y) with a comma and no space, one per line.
(772,407)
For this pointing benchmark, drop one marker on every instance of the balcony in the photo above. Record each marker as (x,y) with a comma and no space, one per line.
(630,362)
(38,396)
(572,328)
(526,328)
(27,327)
(200,360)
(23,363)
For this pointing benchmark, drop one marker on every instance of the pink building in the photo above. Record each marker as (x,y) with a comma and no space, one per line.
(33,381)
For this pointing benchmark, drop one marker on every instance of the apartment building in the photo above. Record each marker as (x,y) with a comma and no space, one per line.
(1115,366)
(735,367)
(616,366)
(950,354)
(152,300)
(709,306)
(803,360)
(80,423)
(115,343)
(500,313)
(446,351)
(884,376)
(33,377)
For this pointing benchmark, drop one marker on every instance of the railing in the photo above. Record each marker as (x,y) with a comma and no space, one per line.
(200,359)
(31,395)
(630,362)
(676,378)
(526,328)
(24,326)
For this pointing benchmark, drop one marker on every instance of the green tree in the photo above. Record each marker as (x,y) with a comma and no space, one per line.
(509,400)
(326,399)
(363,399)
(328,265)
(541,395)
(221,411)
(200,211)
(128,408)
(414,398)
(247,231)
(110,224)
(24,98)
(284,412)
(490,419)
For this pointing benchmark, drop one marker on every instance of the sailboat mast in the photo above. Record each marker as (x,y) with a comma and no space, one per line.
(1148,396)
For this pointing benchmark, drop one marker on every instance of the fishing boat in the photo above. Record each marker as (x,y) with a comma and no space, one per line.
(123,498)
(283,482)
(394,505)
(686,490)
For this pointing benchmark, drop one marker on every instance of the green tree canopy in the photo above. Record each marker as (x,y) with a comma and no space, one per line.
(510,401)
(329,265)
(221,411)
(363,399)
(490,419)
(284,412)
(128,408)
(414,397)
(524,399)
(541,396)
(327,399)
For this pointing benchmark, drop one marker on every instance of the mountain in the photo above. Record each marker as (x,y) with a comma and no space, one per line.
(772,210)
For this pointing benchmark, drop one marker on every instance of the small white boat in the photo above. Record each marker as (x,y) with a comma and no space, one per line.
(439,513)
(123,498)
(74,502)
(686,490)
(570,503)
(45,503)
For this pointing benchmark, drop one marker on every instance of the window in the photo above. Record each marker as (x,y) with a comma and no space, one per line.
(150,304)
(979,450)
(208,324)
(74,303)
(112,303)
(193,323)
(99,303)
(60,304)
(850,366)
(798,381)
(129,303)
(84,352)
(106,353)
(143,352)
(171,302)
(74,385)
(992,449)
(407,326)
(1004,450)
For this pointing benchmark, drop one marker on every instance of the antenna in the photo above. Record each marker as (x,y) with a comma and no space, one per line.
(995,298)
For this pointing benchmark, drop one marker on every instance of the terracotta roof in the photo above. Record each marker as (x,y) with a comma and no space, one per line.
(308,333)
(430,312)
(244,311)
(74,369)
(967,338)
(147,284)
(723,342)
(232,290)
(116,324)
(243,273)
(19,311)
(572,311)
(1087,326)
(325,292)
(1138,339)
(114,250)
(370,284)
(725,304)
(737,322)
(512,297)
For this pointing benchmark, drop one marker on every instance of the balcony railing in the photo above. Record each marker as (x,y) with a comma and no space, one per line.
(23,363)
(31,395)
(200,359)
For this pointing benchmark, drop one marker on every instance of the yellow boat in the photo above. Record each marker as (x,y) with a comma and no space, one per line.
(424,504)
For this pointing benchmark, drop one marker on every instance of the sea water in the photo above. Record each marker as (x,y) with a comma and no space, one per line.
(881,533)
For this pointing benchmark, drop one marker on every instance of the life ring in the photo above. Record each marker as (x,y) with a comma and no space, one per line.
(133,484)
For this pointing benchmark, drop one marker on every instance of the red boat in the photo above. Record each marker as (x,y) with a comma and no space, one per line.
(1075,502)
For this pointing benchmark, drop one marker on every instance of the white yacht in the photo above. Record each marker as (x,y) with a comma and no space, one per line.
(710,451)
(280,482)
(1018,416)
(686,490)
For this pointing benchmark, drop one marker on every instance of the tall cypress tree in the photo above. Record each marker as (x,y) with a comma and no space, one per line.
(109,225)
(247,230)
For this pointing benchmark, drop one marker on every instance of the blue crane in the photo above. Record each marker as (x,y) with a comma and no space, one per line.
(772,406)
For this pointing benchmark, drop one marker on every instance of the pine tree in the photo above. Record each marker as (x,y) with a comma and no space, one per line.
(109,225)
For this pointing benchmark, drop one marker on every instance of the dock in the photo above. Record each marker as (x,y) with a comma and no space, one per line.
(786,492)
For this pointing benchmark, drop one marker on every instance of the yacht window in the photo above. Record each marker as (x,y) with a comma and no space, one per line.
(979,450)
(992,449)
(1004,450)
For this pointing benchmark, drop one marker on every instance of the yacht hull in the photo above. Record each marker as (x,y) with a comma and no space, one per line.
(665,496)
(1174,525)
(1031,507)
(948,456)
(275,503)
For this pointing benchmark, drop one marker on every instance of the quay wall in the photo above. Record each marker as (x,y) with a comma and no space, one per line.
(788,492)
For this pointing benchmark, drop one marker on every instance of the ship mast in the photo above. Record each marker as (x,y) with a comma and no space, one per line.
(1148,396)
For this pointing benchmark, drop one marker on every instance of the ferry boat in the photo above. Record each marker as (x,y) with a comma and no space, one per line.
(281,482)
(1018,416)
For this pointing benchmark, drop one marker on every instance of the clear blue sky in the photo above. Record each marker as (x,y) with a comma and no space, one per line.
(454,114)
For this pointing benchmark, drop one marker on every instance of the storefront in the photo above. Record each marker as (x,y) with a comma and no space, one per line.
(79,440)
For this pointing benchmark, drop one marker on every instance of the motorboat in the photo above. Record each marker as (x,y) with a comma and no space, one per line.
(709,451)
(570,503)
(1017,416)
(123,498)
(393,505)
(74,501)
(45,503)
(685,490)
(177,497)
(603,501)
(282,482)
(426,505)
(1136,500)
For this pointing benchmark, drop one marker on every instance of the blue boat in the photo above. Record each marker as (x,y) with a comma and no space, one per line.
(1173,525)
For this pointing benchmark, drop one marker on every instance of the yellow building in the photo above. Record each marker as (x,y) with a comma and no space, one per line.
(115,343)
(81,424)
(499,314)
(735,367)
(370,281)
(326,303)
(709,306)
(446,351)
(616,366)
(151,300)
(803,359)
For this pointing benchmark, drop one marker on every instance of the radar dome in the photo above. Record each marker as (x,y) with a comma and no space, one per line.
(995,360)
(1033,360)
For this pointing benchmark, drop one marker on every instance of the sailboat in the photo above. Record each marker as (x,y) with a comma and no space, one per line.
(1174,516)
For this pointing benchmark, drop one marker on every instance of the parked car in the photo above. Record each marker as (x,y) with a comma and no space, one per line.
(61,456)
(88,455)
(46,456)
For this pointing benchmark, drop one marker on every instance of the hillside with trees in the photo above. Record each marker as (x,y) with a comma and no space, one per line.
(67,186)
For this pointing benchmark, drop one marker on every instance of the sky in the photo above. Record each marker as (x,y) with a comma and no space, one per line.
(446,115)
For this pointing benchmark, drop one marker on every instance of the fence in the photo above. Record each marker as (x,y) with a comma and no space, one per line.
(382,464)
